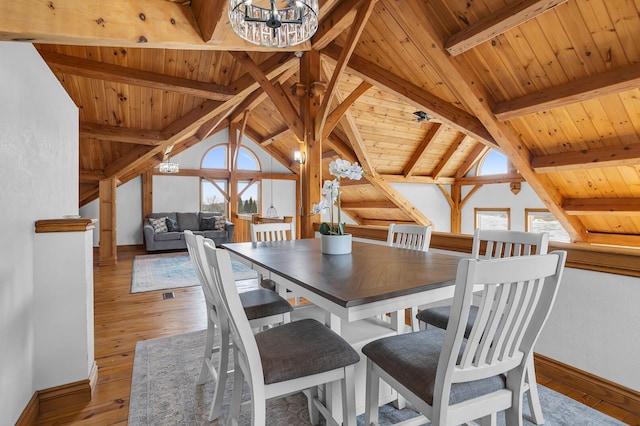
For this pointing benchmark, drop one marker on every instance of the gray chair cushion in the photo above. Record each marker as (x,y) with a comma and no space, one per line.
(412,359)
(439,317)
(302,348)
(262,303)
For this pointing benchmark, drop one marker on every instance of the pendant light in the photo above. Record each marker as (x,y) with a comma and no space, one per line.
(271,211)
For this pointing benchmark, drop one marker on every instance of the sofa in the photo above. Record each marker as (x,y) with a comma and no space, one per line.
(165,231)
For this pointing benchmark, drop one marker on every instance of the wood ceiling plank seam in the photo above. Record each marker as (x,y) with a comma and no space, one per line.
(414,19)
(604,33)
(625,15)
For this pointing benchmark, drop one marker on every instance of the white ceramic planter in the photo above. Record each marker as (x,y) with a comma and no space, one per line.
(336,244)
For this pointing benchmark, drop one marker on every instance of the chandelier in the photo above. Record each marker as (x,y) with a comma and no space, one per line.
(292,23)
(168,166)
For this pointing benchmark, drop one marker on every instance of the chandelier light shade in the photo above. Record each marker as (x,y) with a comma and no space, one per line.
(169,167)
(274,23)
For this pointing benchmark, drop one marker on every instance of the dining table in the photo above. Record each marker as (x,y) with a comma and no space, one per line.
(353,293)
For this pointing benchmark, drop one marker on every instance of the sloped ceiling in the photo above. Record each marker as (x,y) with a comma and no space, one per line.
(553,84)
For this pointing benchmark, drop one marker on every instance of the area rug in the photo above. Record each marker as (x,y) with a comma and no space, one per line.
(164,392)
(173,270)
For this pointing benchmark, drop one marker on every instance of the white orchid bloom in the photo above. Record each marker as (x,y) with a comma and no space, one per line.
(344,169)
(320,207)
(330,190)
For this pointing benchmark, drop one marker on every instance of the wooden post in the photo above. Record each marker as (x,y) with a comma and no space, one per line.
(147,194)
(311,171)
(108,239)
(456,210)
(233,176)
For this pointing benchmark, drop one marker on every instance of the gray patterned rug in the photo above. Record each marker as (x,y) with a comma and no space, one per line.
(164,392)
(173,270)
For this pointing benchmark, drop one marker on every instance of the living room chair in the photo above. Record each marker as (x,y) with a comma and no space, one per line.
(452,380)
(262,307)
(412,237)
(498,244)
(294,357)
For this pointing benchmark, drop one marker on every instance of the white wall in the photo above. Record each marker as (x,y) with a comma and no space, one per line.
(39,175)
(430,201)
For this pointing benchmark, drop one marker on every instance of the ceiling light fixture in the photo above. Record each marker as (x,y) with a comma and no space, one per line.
(422,116)
(168,166)
(294,22)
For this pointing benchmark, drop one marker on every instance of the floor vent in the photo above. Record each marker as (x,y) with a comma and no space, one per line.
(169,295)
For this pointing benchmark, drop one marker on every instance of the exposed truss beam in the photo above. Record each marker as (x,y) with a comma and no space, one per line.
(331,26)
(121,134)
(383,204)
(432,134)
(275,92)
(613,239)
(626,155)
(334,117)
(74,65)
(474,156)
(593,87)
(416,179)
(460,139)
(414,18)
(266,140)
(510,16)
(211,16)
(502,178)
(597,206)
(143,24)
(414,95)
(362,16)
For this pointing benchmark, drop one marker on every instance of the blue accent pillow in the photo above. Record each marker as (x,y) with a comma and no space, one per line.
(172,225)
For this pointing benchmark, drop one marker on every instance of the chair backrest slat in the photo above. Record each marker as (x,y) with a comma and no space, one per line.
(516,299)
(500,243)
(272,232)
(412,237)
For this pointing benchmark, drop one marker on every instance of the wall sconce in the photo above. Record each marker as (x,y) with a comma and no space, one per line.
(300,157)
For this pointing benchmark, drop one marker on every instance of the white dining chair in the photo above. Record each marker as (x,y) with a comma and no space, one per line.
(492,244)
(294,357)
(262,307)
(411,237)
(452,380)
(272,232)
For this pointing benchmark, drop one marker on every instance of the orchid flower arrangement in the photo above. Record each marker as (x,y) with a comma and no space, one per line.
(331,194)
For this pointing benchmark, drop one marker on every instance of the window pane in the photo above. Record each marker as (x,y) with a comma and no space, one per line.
(216,158)
(545,222)
(212,199)
(491,219)
(247,161)
(494,163)
(249,201)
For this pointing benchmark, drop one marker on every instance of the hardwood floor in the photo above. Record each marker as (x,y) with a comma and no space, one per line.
(122,319)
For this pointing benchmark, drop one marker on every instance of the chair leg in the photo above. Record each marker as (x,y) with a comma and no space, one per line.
(372,395)
(259,404)
(533,398)
(415,323)
(314,413)
(208,351)
(490,420)
(349,396)
(221,381)
(236,394)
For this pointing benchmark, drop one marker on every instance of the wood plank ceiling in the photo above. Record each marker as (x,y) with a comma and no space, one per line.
(553,84)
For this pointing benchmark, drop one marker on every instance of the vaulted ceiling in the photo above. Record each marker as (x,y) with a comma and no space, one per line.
(553,84)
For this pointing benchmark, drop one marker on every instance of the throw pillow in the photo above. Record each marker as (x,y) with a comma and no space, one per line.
(208,223)
(172,225)
(220,222)
(159,224)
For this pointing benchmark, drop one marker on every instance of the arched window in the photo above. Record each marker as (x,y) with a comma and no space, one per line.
(215,191)
(493,163)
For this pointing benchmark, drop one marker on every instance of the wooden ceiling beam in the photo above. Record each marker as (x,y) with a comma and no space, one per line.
(121,134)
(334,117)
(432,134)
(613,239)
(212,19)
(74,65)
(460,139)
(489,179)
(626,155)
(91,176)
(275,92)
(592,87)
(417,179)
(269,139)
(334,24)
(414,18)
(598,206)
(382,204)
(510,16)
(362,16)
(414,95)
(143,24)
(474,156)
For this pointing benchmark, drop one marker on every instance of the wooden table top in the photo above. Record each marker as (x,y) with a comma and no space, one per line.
(371,273)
